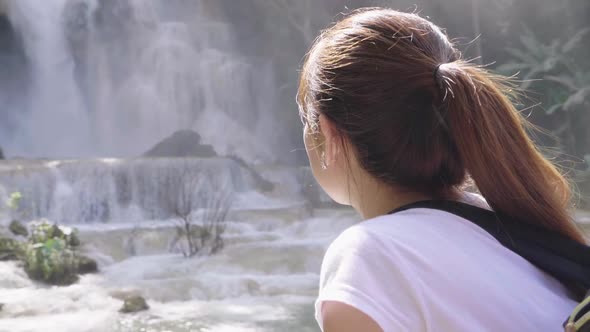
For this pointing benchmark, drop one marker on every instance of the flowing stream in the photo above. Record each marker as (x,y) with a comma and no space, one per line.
(265,279)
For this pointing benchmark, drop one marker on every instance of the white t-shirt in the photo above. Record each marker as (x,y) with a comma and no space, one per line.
(429,270)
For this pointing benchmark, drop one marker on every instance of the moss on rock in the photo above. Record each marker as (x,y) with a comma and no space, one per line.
(17,228)
(51,262)
(10,249)
(134,304)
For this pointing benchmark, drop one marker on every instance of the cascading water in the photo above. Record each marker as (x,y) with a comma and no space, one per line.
(265,279)
(112,78)
(56,104)
(115,191)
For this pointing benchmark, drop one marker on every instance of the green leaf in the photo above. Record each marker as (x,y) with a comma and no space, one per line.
(575,40)
(553,109)
(577,99)
(550,63)
(14,200)
(49,244)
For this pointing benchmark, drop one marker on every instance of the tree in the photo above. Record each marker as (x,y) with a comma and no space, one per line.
(562,81)
(200,208)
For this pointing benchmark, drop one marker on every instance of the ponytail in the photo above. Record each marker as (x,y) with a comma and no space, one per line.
(371,74)
(493,145)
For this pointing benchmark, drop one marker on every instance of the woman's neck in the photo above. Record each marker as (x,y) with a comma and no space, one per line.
(374,198)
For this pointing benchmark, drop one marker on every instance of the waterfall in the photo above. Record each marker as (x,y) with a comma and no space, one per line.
(112,78)
(56,107)
(118,191)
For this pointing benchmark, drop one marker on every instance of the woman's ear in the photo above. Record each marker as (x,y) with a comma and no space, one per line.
(332,142)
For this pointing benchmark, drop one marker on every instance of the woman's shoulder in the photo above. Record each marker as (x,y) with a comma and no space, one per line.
(362,269)
(387,239)
(400,268)
(407,240)
(420,224)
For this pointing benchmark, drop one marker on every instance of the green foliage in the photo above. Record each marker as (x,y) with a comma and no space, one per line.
(12,205)
(13,201)
(50,254)
(555,71)
(51,261)
(10,249)
(43,230)
(535,59)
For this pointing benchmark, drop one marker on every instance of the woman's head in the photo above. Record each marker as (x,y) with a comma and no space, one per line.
(387,93)
(372,76)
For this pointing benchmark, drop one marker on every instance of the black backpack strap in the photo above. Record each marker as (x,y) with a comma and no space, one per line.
(558,255)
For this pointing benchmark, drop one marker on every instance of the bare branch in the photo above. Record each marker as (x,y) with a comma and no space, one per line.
(200,209)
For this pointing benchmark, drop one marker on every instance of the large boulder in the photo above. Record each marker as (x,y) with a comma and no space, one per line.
(134,304)
(51,262)
(50,255)
(187,143)
(183,143)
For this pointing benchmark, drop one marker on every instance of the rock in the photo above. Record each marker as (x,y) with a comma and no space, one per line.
(183,143)
(1,153)
(1,306)
(10,249)
(51,262)
(49,255)
(87,265)
(134,304)
(71,237)
(18,228)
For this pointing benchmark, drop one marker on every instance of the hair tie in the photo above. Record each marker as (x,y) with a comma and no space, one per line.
(436,71)
(435,75)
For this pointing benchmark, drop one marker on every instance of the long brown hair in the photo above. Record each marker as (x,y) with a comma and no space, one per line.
(420,117)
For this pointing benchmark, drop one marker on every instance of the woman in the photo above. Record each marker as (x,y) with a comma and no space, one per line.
(393,116)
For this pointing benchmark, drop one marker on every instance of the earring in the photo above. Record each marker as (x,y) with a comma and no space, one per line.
(323,161)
